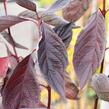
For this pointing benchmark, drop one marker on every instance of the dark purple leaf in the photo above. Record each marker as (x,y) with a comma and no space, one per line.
(52,59)
(58,4)
(49,18)
(8,21)
(27,4)
(6,36)
(22,90)
(89,48)
(64,32)
(75,9)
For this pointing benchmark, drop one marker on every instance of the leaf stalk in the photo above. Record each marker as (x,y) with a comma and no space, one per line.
(49,97)
(9,31)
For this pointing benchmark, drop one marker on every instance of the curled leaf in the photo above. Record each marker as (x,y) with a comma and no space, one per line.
(89,48)
(75,9)
(27,4)
(22,90)
(100,83)
(64,32)
(57,5)
(8,21)
(49,18)
(6,36)
(71,89)
(52,58)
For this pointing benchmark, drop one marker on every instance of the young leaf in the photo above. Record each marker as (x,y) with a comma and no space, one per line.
(27,4)
(89,48)
(7,38)
(57,5)
(64,32)
(4,62)
(52,19)
(100,83)
(22,90)
(71,89)
(52,59)
(8,21)
(49,18)
(75,9)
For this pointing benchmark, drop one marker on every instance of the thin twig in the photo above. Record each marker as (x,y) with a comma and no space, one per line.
(49,97)
(107,11)
(104,8)
(96,103)
(9,31)
(102,64)
(43,86)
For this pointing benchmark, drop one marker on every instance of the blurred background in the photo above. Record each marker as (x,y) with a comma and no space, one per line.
(26,34)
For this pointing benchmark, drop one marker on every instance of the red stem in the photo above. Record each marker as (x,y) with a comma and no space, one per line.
(96,103)
(49,97)
(9,31)
(102,64)
(104,8)
(5,7)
